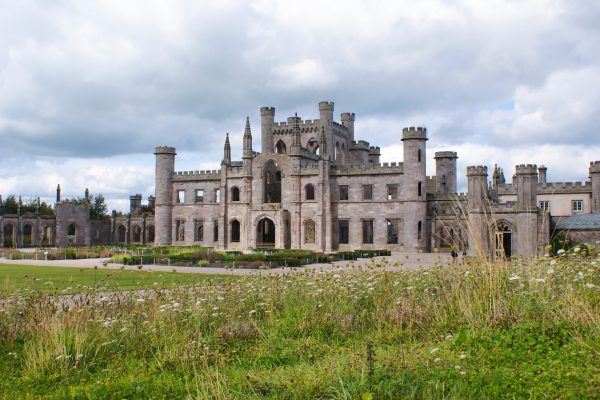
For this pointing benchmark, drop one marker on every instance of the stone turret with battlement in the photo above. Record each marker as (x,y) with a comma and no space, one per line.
(445,172)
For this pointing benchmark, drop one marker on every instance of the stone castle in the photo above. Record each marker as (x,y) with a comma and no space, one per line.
(314,186)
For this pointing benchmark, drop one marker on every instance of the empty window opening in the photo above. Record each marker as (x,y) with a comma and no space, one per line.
(272,183)
(280,147)
(392,231)
(199,195)
(180,230)
(215,230)
(419,155)
(136,234)
(309,231)
(150,234)
(419,188)
(265,233)
(217,195)
(420,230)
(181,196)
(310,192)
(344,231)
(9,239)
(235,194)
(367,231)
(199,231)
(343,193)
(392,192)
(235,230)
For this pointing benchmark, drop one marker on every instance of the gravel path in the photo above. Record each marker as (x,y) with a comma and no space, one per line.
(407,261)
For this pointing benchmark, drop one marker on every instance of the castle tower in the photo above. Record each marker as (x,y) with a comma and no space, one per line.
(226,151)
(348,121)
(267,119)
(527,212)
(296,144)
(163,211)
(445,172)
(595,177)
(326,120)
(135,203)
(542,174)
(413,189)
(478,207)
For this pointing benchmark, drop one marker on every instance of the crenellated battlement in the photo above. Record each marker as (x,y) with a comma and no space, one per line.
(368,169)
(374,150)
(265,111)
(526,169)
(326,106)
(445,154)
(197,175)
(594,167)
(164,150)
(414,133)
(475,170)
(346,116)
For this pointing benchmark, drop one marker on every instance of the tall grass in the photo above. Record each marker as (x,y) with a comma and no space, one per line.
(304,335)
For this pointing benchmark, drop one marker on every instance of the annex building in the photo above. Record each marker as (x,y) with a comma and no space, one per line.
(315,186)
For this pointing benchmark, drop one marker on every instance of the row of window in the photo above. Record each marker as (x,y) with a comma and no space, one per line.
(576,205)
(367,192)
(367,231)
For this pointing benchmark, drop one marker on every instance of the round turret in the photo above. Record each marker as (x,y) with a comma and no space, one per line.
(414,188)
(165,167)
(414,133)
(267,119)
(595,177)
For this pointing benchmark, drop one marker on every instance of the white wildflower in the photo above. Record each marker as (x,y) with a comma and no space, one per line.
(437,360)
(434,350)
(462,356)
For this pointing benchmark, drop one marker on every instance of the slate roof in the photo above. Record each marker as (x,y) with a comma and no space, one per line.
(590,221)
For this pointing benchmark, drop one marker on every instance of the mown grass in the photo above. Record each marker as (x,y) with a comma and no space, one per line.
(67,280)
(479,330)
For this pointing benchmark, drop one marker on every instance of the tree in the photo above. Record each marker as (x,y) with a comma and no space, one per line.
(98,209)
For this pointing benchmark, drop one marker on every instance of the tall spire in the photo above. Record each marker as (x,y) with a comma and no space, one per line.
(247,139)
(227,151)
(58,193)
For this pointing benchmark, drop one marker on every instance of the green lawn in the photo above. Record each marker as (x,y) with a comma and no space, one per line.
(76,280)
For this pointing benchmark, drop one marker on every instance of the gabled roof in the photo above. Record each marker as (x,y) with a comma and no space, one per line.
(589,221)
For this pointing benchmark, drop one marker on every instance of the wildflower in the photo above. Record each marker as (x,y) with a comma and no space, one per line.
(252,312)
(462,372)
(513,278)
(589,285)
(449,336)
(140,300)
(123,329)
(457,367)
(561,251)
(434,350)
(462,356)
(59,357)
(437,360)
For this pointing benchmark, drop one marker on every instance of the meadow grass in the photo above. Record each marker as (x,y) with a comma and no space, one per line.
(522,329)
(68,280)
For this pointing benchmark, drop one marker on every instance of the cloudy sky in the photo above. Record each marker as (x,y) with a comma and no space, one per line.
(88,89)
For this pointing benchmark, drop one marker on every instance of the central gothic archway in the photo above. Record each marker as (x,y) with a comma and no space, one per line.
(265,233)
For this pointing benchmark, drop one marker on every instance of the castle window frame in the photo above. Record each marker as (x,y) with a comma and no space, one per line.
(180,230)
(367,231)
(217,195)
(215,230)
(235,230)
(392,192)
(343,231)
(545,205)
(419,155)
(420,189)
(577,206)
(343,192)
(199,230)
(420,230)
(199,195)
(309,191)
(180,196)
(367,192)
(235,194)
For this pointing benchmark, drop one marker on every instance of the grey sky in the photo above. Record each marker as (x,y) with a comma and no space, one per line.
(88,89)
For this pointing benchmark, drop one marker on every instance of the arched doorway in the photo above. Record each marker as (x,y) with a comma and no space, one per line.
(150,234)
(271,183)
(136,234)
(27,235)
(9,235)
(265,233)
(121,234)
(309,231)
(71,233)
(503,240)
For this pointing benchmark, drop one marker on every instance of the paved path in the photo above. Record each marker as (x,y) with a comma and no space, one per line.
(395,262)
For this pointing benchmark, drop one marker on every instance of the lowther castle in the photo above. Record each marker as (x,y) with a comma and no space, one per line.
(315,186)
